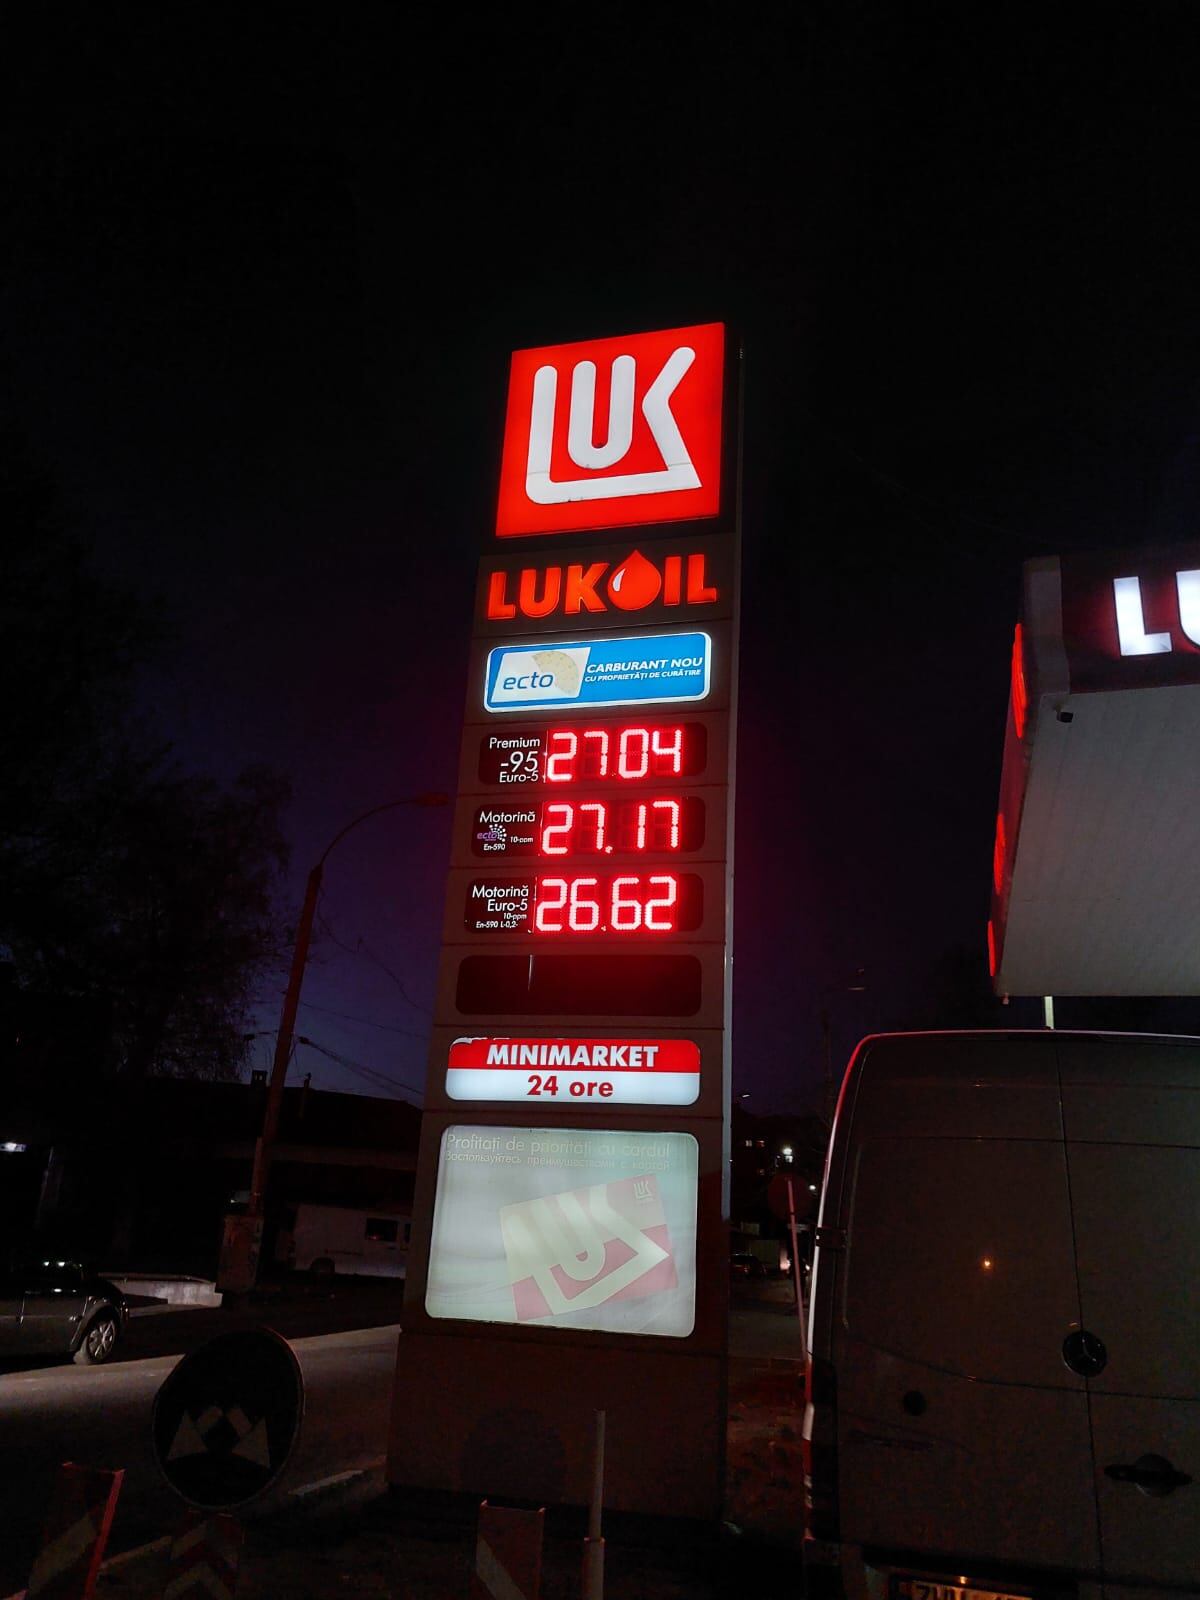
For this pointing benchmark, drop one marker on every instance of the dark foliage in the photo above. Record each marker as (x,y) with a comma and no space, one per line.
(136,900)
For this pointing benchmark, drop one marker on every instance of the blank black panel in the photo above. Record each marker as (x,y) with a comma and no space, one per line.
(648,984)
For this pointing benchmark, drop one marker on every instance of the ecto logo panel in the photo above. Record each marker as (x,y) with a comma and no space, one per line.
(613,432)
(646,670)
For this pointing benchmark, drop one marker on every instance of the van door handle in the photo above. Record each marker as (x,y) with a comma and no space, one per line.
(1152,1475)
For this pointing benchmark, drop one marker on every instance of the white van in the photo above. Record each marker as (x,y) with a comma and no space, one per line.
(328,1239)
(1004,1391)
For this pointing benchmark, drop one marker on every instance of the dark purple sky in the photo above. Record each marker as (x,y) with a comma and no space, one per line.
(257,320)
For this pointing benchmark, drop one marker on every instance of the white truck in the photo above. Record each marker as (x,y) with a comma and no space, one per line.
(325,1240)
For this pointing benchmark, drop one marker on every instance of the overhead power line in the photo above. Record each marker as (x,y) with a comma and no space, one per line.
(368,1074)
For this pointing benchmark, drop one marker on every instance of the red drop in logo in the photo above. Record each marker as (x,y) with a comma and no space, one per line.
(635,583)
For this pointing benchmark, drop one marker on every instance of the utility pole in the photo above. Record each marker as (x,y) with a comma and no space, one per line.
(240,1247)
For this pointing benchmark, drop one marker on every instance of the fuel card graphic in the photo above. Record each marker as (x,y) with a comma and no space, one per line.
(566,1228)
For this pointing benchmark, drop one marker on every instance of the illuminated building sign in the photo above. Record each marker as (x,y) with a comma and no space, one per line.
(593,587)
(1093,887)
(647,669)
(613,432)
(1131,619)
(587,1072)
(569,1227)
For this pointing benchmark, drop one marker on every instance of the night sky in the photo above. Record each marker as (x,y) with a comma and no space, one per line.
(262,281)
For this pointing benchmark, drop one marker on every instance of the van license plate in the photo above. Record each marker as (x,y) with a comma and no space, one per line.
(926,1589)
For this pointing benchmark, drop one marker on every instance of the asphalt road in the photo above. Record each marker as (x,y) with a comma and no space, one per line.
(100,1416)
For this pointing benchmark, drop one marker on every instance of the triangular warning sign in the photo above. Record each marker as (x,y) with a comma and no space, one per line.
(187,1440)
(255,1446)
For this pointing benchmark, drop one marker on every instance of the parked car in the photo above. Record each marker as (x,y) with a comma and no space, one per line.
(744,1264)
(324,1240)
(1004,1391)
(57,1307)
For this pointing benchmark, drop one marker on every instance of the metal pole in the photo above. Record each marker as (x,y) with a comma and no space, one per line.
(283,1043)
(593,1545)
(796,1271)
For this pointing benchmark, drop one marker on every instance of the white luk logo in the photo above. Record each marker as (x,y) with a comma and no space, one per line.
(678,471)
(1131,617)
(570,1232)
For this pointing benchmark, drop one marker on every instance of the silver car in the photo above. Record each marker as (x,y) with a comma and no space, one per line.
(56,1307)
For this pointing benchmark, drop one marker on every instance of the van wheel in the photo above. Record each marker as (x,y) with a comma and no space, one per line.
(321,1270)
(99,1341)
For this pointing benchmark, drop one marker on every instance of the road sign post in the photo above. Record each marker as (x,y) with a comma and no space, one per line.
(227,1418)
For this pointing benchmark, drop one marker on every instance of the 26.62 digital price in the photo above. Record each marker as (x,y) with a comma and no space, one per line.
(646,903)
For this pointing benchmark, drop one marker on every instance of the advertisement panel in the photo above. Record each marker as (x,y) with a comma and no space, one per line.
(566,1228)
(645,669)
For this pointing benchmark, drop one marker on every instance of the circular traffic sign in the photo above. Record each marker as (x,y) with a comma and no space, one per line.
(227,1417)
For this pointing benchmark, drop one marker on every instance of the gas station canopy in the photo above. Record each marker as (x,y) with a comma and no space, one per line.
(1096,870)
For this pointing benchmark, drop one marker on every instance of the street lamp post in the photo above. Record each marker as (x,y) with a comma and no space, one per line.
(240,1247)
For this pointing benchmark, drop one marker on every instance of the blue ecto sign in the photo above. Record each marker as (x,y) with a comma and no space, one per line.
(647,670)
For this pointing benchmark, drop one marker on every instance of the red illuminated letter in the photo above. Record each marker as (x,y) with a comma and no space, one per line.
(698,592)
(527,595)
(581,588)
(499,606)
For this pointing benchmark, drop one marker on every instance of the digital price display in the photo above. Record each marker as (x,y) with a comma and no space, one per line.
(586,903)
(614,752)
(658,824)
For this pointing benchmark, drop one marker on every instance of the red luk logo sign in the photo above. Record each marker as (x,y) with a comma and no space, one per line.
(631,585)
(612,432)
